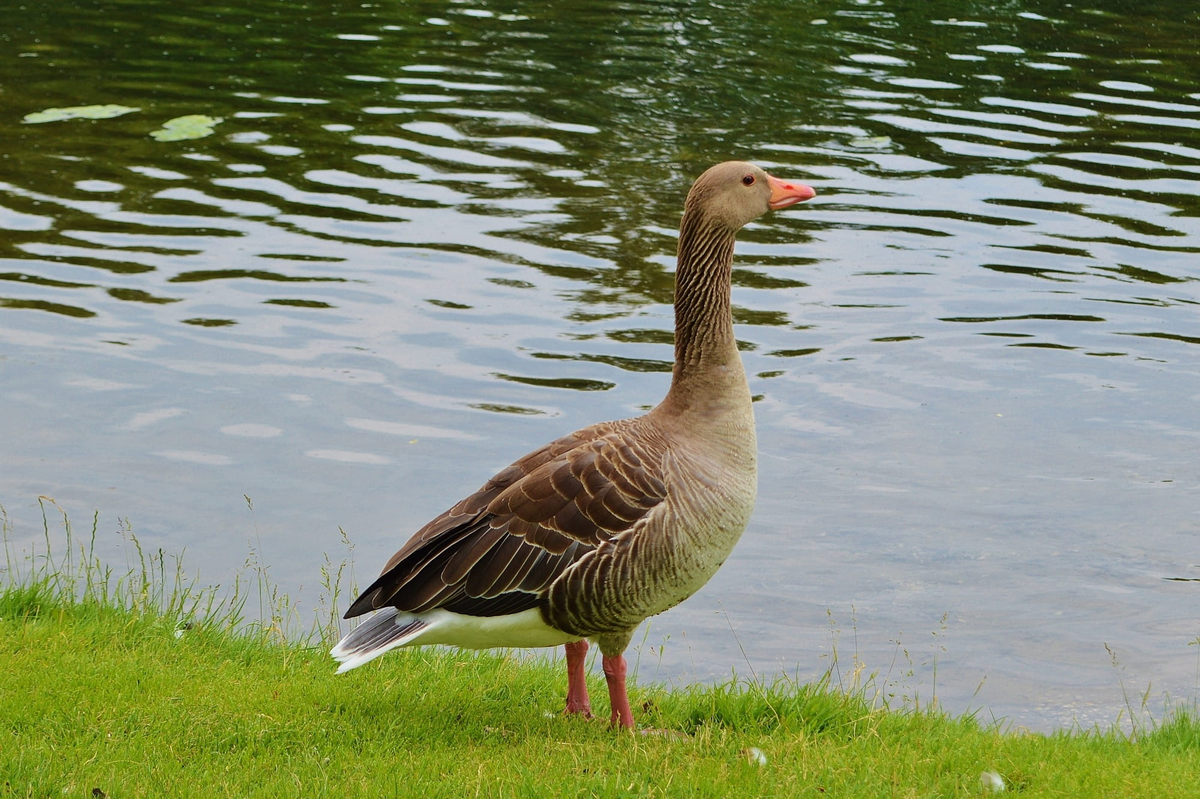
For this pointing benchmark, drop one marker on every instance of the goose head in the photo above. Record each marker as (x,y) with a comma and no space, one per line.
(734,193)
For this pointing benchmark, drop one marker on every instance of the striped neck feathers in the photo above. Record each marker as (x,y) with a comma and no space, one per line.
(705,348)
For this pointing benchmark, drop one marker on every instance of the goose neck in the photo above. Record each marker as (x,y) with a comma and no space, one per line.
(707,364)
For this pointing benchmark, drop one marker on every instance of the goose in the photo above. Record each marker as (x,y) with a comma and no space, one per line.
(586,537)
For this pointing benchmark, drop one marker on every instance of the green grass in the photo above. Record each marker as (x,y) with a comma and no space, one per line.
(140,684)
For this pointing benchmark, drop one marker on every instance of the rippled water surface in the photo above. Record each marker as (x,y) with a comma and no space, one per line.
(426,237)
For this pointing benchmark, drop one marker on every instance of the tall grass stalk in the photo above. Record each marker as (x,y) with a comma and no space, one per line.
(66,568)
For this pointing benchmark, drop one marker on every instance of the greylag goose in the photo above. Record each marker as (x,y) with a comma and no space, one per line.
(591,534)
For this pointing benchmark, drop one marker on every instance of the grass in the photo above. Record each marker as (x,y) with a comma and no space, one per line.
(139,683)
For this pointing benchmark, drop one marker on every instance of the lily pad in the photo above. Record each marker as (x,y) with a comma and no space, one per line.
(78,112)
(871,142)
(192,126)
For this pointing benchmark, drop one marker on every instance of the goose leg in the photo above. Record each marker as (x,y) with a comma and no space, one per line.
(577,692)
(618,697)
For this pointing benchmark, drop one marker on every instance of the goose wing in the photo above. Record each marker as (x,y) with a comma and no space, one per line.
(498,550)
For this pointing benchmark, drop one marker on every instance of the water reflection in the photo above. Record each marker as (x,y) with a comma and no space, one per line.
(428,236)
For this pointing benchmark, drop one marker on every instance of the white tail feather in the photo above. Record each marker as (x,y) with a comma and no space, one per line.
(381,633)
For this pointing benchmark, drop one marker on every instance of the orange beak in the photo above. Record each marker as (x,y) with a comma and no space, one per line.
(785,193)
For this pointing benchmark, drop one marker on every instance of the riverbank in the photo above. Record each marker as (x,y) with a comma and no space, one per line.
(139,685)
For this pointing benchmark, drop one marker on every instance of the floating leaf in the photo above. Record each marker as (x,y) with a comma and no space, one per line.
(192,126)
(79,112)
(871,142)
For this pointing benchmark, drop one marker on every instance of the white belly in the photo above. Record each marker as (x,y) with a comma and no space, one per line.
(522,630)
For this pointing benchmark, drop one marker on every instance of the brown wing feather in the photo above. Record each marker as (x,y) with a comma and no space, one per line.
(499,549)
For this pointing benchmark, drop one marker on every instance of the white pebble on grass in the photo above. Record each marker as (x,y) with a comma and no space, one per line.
(991,781)
(755,755)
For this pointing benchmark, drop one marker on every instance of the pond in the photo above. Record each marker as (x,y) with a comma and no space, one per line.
(411,241)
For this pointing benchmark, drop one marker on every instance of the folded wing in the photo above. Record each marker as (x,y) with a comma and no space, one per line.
(498,551)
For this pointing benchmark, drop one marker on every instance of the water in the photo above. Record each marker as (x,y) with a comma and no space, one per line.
(426,237)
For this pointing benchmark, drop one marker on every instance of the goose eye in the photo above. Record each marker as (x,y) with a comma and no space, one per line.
(748,180)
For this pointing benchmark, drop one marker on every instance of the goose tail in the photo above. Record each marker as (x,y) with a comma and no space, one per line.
(381,633)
